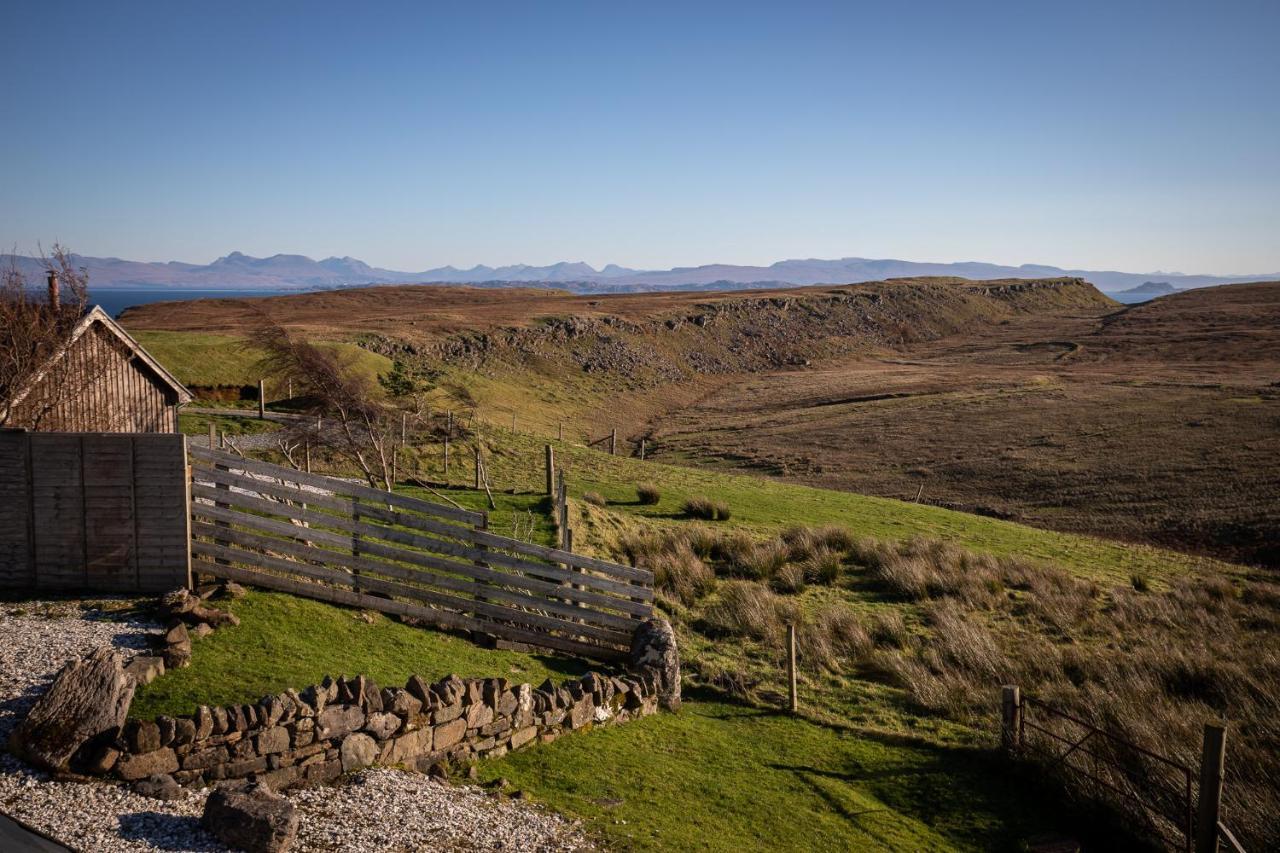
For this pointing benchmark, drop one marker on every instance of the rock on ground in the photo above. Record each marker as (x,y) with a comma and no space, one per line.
(251,817)
(89,701)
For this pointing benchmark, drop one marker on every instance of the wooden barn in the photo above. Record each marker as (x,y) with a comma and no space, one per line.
(100,380)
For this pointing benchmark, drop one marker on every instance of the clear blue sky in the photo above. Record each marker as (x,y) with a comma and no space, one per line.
(1135,136)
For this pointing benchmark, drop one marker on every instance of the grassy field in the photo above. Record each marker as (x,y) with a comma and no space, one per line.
(903,644)
(864,767)
(722,776)
(206,360)
(763,505)
(285,641)
(198,425)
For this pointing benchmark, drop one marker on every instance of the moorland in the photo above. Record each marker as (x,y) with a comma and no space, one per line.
(1040,401)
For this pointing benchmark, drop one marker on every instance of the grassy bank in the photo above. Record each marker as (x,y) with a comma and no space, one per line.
(284,641)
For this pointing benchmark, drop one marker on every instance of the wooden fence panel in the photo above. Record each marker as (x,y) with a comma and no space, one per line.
(15,512)
(162,521)
(341,541)
(93,512)
(57,506)
(110,543)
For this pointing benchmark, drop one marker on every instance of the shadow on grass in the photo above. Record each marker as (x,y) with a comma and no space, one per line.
(943,785)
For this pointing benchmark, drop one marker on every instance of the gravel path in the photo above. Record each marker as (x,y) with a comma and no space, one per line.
(376,810)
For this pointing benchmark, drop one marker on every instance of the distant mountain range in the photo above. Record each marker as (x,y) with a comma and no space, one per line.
(238,271)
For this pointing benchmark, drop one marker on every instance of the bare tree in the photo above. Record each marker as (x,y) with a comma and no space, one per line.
(359,425)
(35,322)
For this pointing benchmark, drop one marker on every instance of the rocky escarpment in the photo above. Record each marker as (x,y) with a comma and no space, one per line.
(757,333)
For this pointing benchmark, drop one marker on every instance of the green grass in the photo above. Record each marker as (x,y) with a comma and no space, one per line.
(718,776)
(204,359)
(197,424)
(863,770)
(284,641)
(765,506)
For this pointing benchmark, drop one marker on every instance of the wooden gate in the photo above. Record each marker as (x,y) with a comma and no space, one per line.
(344,542)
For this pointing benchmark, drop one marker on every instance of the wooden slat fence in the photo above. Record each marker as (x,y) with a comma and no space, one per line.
(341,541)
(93,512)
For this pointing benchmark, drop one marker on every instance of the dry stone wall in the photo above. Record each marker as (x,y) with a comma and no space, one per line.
(341,725)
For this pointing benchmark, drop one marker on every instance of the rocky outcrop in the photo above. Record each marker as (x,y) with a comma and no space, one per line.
(83,711)
(251,817)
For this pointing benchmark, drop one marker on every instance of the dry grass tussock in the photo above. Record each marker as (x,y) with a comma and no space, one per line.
(648,493)
(706,509)
(1149,666)
(595,499)
(742,587)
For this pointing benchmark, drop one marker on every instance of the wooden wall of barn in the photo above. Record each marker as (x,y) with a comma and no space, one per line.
(92,512)
(98,386)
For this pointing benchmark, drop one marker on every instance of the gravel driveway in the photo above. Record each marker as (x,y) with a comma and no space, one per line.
(376,810)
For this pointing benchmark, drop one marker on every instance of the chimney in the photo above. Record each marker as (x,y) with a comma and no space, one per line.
(54,303)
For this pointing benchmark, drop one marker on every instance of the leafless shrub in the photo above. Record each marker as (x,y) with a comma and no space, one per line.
(363,429)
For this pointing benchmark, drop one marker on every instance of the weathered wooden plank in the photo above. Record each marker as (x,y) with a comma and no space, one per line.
(160,495)
(15,512)
(400,537)
(58,511)
(616,570)
(372,584)
(109,513)
(342,487)
(302,550)
(367,568)
(439,617)
(274,488)
(492,540)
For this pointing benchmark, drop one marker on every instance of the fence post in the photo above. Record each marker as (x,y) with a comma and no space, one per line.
(262,399)
(642,450)
(1209,807)
(613,442)
(513,421)
(446,459)
(560,431)
(791,667)
(213,435)
(306,455)
(551,467)
(222,439)
(449,429)
(477,460)
(1010,717)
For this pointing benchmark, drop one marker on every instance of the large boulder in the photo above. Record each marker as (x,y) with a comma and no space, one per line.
(653,646)
(86,706)
(250,817)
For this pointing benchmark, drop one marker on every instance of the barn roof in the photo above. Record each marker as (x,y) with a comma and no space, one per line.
(96,316)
